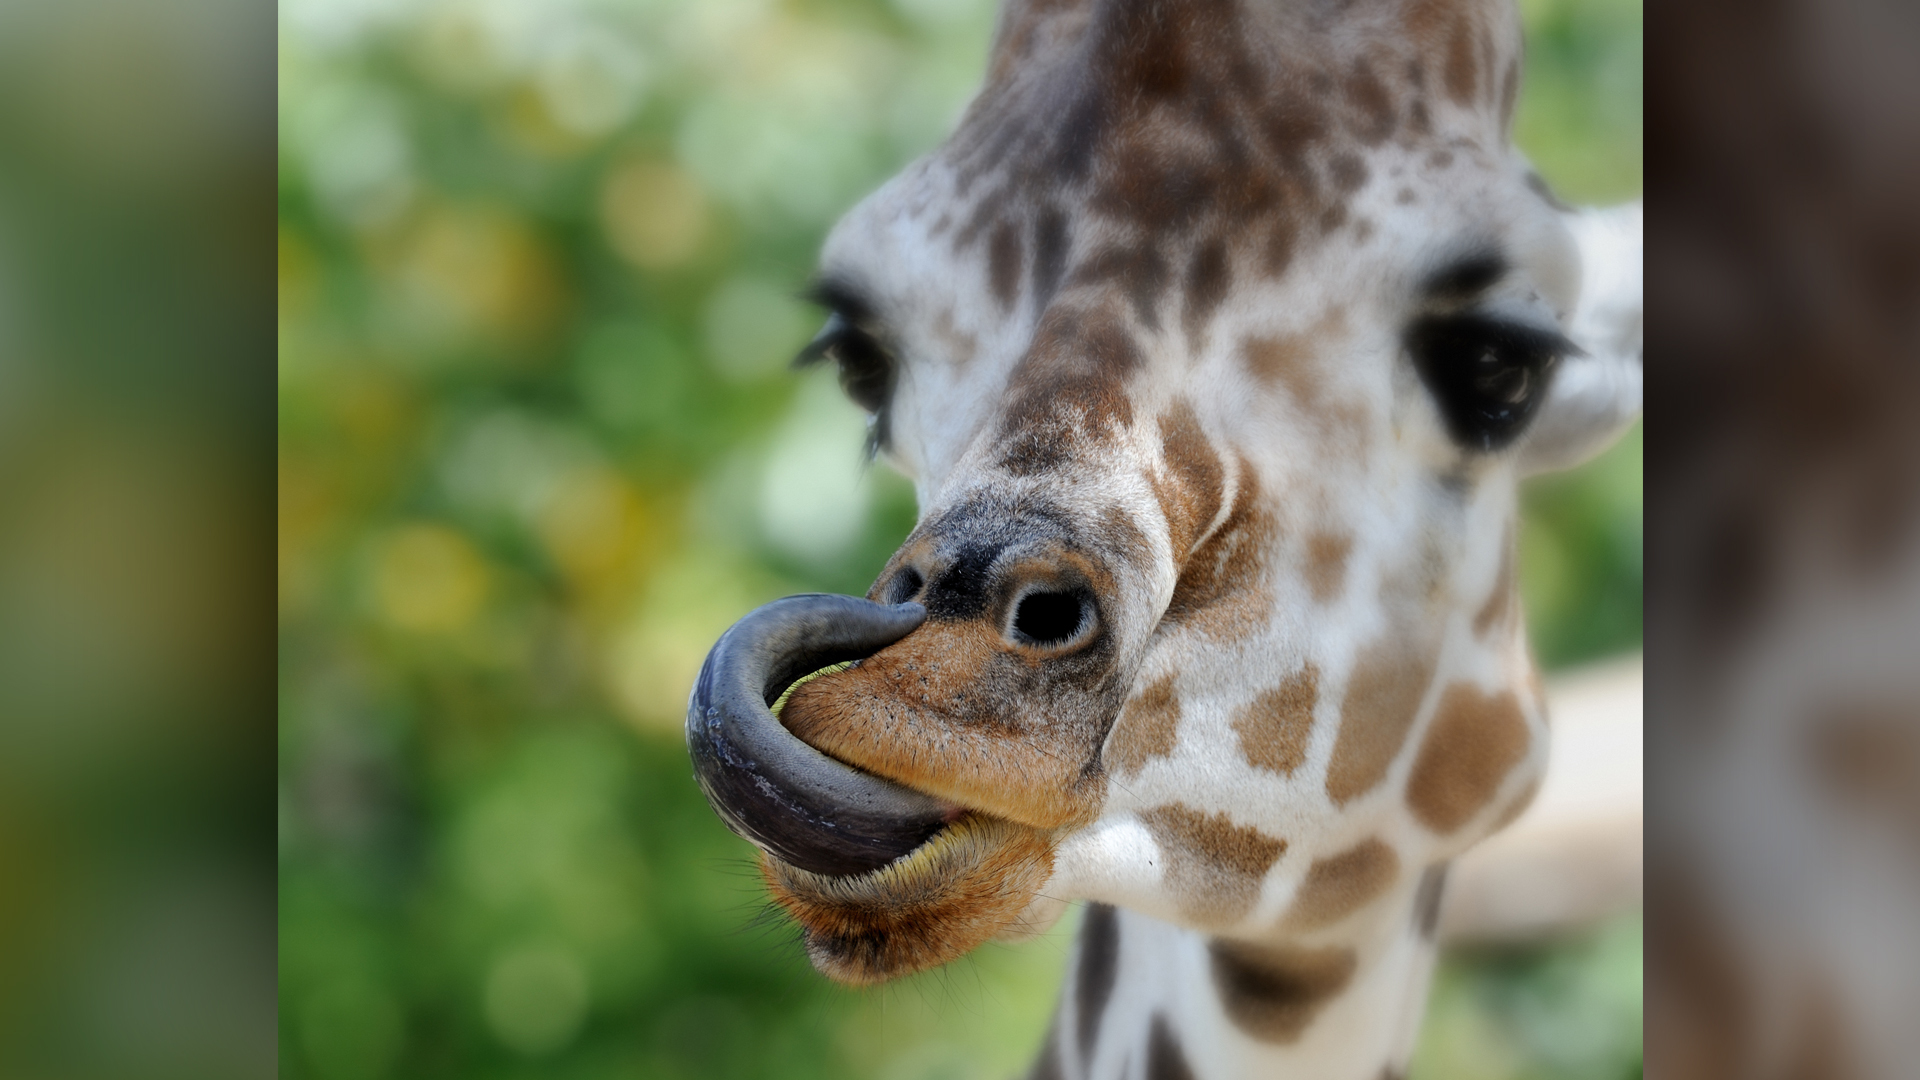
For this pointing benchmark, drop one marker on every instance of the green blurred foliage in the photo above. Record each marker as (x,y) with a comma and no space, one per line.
(539,447)
(1569,1012)
(136,220)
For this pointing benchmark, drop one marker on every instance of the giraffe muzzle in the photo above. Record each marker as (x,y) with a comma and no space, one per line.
(787,798)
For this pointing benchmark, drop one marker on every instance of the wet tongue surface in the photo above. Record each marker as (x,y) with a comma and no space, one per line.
(811,810)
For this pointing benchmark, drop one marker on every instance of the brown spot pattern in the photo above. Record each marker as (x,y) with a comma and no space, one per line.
(1215,864)
(1146,729)
(1021,29)
(1383,695)
(1462,73)
(1285,360)
(1295,362)
(1051,240)
(1207,279)
(1339,885)
(1830,1048)
(1327,564)
(1222,589)
(1067,394)
(1273,992)
(1275,726)
(960,346)
(1140,271)
(1195,482)
(1375,108)
(1501,598)
(1116,533)
(1474,741)
(1349,172)
(1702,1007)
(1866,754)
(1003,264)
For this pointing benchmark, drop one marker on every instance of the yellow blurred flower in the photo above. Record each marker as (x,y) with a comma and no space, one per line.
(654,213)
(594,525)
(429,578)
(307,502)
(474,273)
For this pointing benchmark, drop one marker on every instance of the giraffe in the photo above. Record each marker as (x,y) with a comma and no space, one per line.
(1214,340)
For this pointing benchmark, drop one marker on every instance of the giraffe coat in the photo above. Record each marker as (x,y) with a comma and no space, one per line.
(1216,545)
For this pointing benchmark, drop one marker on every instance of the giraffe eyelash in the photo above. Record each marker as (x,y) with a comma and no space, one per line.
(866,368)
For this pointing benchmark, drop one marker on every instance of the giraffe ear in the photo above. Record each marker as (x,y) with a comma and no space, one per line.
(1595,396)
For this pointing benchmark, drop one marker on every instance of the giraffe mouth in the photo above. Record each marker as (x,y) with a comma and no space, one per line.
(787,798)
(888,870)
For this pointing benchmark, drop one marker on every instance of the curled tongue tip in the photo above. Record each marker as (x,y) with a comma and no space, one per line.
(789,799)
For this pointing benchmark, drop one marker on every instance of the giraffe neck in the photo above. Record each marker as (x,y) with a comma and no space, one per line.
(1187,1005)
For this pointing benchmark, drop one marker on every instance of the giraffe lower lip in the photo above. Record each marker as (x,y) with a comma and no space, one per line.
(787,798)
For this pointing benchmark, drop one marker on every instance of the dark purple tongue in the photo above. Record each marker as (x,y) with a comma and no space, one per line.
(790,800)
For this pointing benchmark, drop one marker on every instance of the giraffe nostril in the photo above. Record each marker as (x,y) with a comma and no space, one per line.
(1050,618)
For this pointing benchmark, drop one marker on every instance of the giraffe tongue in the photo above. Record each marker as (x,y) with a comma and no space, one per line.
(792,801)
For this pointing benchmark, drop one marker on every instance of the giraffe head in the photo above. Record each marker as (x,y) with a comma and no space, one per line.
(1215,341)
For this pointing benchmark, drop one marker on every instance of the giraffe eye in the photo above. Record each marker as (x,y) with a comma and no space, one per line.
(866,371)
(1487,375)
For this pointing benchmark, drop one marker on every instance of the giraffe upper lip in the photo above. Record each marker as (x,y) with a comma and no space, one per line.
(787,798)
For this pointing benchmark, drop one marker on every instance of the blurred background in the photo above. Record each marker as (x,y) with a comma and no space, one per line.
(539,446)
